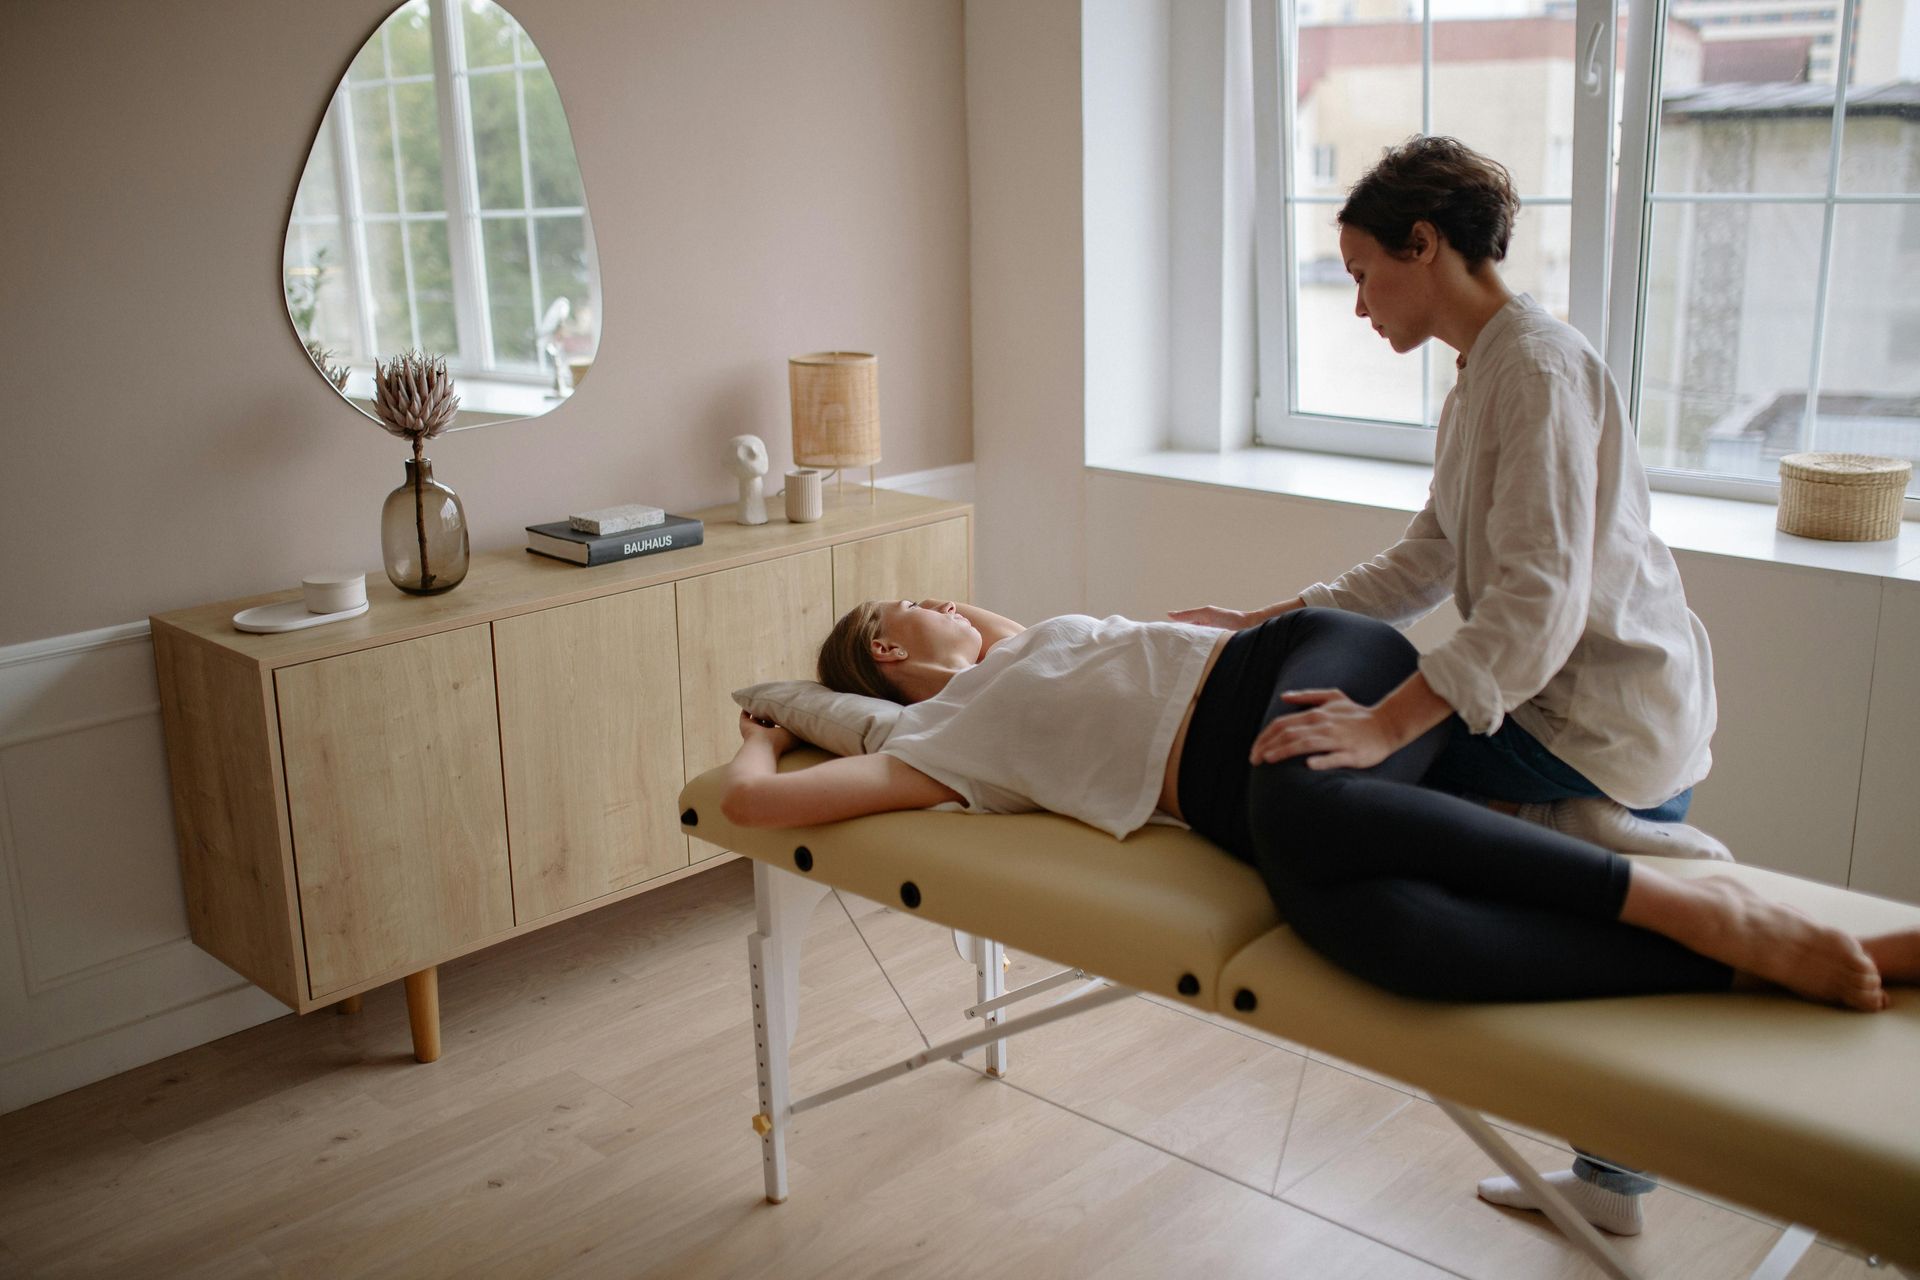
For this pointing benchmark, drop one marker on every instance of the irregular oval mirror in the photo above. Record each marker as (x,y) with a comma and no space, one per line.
(441,211)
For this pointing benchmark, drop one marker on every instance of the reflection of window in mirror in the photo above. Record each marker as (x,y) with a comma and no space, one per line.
(442,210)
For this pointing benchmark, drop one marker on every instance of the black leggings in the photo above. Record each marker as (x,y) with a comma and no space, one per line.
(1423,893)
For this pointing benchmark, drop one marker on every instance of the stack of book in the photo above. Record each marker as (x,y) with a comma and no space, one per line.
(563,541)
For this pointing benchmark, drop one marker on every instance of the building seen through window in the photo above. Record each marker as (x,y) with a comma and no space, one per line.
(1778,307)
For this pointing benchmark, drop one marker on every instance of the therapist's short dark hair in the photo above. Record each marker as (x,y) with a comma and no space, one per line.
(1467,196)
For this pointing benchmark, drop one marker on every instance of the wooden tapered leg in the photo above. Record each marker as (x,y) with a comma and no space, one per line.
(350,1005)
(423,1013)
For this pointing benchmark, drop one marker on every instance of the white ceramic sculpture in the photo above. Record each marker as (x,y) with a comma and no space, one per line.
(747,459)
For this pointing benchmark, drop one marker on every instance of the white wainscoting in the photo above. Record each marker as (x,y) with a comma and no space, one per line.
(97,973)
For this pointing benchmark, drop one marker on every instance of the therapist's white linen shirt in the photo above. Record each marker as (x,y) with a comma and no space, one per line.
(1575,622)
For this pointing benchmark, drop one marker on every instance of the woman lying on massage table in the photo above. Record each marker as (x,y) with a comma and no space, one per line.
(1426,894)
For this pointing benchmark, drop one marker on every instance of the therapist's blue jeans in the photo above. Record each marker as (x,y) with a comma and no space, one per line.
(1510,764)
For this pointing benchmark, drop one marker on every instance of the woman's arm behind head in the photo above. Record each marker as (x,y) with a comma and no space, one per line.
(757,795)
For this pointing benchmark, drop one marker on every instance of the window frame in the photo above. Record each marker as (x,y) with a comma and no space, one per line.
(1610,197)
(462,214)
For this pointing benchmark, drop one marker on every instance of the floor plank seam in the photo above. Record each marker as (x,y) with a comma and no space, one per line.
(1245,1033)
(1362,1136)
(1205,1169)
(1286,1134)
(879,964)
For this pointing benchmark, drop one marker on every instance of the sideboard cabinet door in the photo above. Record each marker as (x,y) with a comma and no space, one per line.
(590,737)
(932,562)
(739,627)
(393,790)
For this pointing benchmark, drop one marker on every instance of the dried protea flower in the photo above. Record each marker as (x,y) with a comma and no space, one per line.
(413,397)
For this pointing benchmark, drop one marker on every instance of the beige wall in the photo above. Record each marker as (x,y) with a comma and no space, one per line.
(765,177)
(1029,304)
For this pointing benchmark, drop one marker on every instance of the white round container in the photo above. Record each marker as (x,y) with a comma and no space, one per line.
(334,592)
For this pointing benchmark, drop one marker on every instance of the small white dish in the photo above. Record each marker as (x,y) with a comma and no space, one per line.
(289,615)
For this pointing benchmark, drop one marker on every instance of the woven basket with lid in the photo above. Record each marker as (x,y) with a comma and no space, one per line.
(1843,497)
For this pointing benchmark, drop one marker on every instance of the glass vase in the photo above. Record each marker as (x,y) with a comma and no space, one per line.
(423,533)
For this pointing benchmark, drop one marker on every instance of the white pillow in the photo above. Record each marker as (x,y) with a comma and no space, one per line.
(847,724)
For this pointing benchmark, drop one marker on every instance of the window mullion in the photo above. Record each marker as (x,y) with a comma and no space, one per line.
(1426,128)
(461,188)
(1273,259)
(1638,123)
(526,203)
(400,216)
(1592,186)
(346,162)
(1843,67)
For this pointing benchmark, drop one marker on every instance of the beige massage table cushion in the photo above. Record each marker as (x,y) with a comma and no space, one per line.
(1805,1111)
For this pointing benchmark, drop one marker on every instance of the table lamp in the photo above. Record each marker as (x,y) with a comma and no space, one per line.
(836,411)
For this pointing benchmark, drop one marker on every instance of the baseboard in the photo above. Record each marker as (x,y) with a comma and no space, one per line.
(199,1021)
(954,483)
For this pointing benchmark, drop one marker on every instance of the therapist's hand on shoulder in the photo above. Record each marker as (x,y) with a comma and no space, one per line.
(1336,733)
(1213,615)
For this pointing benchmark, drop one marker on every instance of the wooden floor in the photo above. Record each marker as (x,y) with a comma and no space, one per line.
(590,1118)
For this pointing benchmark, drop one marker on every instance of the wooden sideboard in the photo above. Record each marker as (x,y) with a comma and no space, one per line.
(358,802)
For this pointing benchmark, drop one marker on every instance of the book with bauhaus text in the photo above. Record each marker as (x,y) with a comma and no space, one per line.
(563,542)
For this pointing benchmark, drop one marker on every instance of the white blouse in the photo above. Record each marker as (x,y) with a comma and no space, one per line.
(1074,714)
(1576,623)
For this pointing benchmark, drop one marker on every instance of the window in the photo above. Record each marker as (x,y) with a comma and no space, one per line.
(1323,170)
(442,208)
(1742,266)
(1361,81)
(1771,262)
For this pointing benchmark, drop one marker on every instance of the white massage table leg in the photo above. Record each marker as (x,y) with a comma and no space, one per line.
(1785,1254)
(1575,1228)
(990,983)
(783,902)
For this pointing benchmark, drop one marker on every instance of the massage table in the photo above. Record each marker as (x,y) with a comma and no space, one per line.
(1798,1110)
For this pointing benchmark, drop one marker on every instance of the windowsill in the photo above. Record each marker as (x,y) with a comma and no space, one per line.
(482,400)
(1709,526)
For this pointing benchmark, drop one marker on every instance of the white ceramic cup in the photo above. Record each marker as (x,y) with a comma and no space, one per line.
(804,500)
(334,592)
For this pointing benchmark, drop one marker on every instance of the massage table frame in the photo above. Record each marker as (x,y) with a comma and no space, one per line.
(784,902)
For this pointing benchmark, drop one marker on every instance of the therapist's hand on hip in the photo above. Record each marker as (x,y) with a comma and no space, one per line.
(1339,733)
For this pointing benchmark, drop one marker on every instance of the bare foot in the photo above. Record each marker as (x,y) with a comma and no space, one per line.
(1778,944)
(1896,955)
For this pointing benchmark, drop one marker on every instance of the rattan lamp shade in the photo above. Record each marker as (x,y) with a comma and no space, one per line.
(836,409)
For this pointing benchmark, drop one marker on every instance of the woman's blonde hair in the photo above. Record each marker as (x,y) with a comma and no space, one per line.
(846,656)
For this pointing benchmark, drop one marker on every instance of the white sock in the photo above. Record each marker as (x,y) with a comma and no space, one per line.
(1613,1211)
(1610,825)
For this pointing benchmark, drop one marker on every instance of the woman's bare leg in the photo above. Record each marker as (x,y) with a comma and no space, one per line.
(1723,919)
